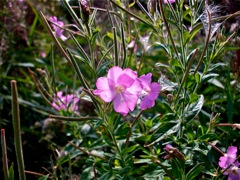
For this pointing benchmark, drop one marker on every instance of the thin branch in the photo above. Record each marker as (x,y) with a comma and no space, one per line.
(86,152)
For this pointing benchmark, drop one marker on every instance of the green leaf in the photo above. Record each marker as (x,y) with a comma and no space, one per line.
(24,64)
(143,138)
(65,159)
(209,137)
(163,131)
(190,81)
(193,109)
(208,77)
(125,170)
(122,131)
(11,172)
(132,4)
(214,66)
(216,83)
(43,177)
(159,45)
(106,175)
(128,150)
(193,98)
(194,172)
(193,32)
(186,36)
(200,131)
(175,63)
(177,169)
(86,174)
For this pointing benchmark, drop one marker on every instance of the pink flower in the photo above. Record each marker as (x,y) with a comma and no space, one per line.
(166,1)
(67,102)
(229,158)
(58,30)
(43,54)
(233,173)
(132,45)
(169,148)
(149,91)
(120,86)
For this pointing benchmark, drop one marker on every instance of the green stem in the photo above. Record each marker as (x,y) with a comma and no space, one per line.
(116,145)
(86,152)
(206,43)
(167,27)
(4,155)
(74,118)
(131,129)
(135,16)
(116,62)
(17,130)
(185,75)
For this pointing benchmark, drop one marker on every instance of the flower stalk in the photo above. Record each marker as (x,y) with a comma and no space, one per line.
(4,154)
(17,130)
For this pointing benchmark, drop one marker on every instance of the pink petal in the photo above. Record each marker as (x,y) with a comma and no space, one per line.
(135,88)
(125,80)
(171,1)
(120,105)
(103,90)
(59,94)
(155,88)
(232,150)
(114,73)
(146,80)
(146,103)
(222,162)
(53,19)
(131,73)
(130,100)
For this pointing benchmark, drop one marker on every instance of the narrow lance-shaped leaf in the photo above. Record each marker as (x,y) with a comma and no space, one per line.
(193,109)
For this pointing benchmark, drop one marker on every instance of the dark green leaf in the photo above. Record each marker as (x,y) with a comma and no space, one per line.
(177,169)
(128,150)
(106,175)
(209,137)
(193,109)
(163,131)
(125,170)
(43,177)
(194,172)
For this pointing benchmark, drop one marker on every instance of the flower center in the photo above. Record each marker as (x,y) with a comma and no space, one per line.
(145,92)
(119,89)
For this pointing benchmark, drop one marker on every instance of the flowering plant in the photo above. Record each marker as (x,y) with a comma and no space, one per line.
(124,88)
(151,112)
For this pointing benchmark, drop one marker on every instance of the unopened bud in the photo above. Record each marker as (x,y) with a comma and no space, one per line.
(151,6)
(236,126)
(85,11)
(173,152)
